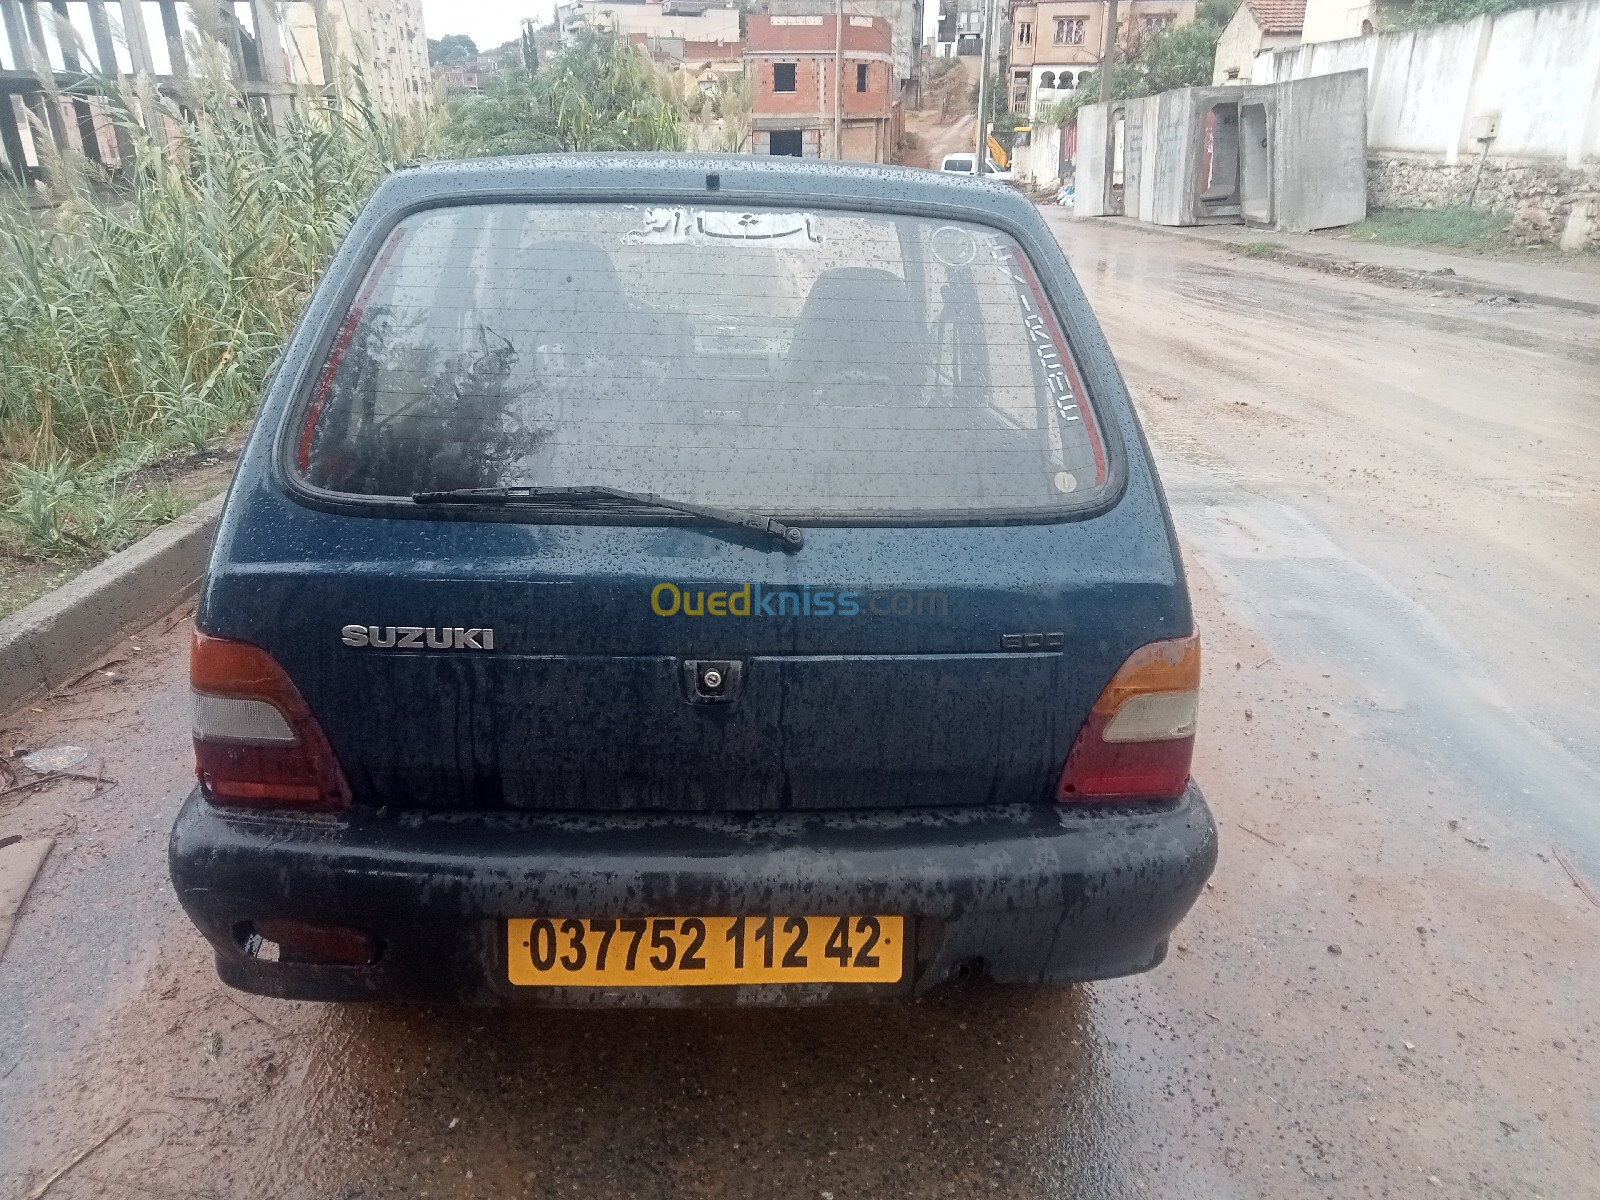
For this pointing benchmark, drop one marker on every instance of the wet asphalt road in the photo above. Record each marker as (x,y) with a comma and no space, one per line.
(1388,502)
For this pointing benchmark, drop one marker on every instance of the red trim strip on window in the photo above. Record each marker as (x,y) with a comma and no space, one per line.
(1069,364)
(347,333)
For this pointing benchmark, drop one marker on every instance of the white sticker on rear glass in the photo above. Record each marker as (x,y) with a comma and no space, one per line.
(705,227)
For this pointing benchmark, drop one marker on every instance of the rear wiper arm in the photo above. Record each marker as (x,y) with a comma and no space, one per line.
(791,537)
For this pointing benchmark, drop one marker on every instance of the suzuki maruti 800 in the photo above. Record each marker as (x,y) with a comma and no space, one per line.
(672,580)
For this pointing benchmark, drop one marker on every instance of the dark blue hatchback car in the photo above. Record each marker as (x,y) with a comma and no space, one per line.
(668,580)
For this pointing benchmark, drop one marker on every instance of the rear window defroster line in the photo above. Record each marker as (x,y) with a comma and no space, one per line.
(347,332)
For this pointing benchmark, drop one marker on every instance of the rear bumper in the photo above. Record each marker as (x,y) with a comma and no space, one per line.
(1024,893)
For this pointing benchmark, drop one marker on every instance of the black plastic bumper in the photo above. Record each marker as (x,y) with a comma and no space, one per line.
(1023,893)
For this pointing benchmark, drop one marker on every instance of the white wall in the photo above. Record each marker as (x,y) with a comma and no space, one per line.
(1240,40)
(386,37)
(1039,162)
(1535,72)
(1330,20)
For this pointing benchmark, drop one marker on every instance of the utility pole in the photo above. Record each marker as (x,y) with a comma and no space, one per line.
(981,157)
(1108,60)
(838,81)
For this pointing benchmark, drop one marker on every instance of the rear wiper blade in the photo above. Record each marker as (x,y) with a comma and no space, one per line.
(791,537)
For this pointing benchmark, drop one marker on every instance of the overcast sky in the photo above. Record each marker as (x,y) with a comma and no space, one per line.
(487,22)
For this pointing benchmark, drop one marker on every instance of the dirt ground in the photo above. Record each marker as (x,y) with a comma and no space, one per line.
(1387,503)
(944,124)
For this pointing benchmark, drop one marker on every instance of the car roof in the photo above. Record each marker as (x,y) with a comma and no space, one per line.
(702,178)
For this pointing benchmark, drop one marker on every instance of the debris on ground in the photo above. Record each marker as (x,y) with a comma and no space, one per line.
(14,792)
(61,1171)
(1578,880)
(55,759)
(20,861)
(1500,301)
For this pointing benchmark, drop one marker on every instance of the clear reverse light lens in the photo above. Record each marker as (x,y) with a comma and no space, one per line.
(1154,717)
(229,719)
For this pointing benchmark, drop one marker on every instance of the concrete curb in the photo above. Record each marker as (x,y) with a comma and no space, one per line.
(1333,264)
(59,634)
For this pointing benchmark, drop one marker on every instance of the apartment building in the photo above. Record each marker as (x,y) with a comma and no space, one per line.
(905,18)
(1056,45)
(799,66)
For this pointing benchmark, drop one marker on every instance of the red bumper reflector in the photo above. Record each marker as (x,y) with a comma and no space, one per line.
(314,942)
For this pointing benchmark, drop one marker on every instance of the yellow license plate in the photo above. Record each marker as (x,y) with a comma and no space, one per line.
(704,951)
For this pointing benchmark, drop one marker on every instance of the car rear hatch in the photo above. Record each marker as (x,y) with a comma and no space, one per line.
(978,557)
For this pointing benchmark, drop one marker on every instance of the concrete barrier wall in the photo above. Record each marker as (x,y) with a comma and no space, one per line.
(1038,164)
(1304,166)
(1534,75)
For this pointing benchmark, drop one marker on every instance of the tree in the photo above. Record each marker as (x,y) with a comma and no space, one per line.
(451,50)
(1437,12)
(595,93)
(530,48)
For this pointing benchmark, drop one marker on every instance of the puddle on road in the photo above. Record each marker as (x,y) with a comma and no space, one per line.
(981,1091)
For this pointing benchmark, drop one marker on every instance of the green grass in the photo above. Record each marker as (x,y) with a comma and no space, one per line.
(1460,228)
(1265,248)
(138,317)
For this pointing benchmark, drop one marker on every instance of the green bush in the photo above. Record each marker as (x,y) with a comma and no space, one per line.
(139,317)
(595,93)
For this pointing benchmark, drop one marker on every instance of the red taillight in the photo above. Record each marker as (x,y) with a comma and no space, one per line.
(1139,739)
(256,744)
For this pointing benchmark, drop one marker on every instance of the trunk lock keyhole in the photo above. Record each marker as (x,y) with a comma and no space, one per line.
(712,682)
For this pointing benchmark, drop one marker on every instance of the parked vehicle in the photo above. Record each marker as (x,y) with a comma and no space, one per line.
(961,164)
(668,580)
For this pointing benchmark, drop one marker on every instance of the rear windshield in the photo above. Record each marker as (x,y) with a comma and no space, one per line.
(826,363)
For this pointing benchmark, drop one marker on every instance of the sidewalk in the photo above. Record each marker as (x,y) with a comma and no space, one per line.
(1537,283)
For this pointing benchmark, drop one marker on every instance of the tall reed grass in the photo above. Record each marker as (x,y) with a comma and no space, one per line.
(139,315)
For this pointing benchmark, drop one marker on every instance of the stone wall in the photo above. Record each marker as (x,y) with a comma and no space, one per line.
(1546,201)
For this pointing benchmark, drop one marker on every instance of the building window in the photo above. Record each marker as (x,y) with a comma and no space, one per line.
(1069,31)
(1024,33)
(1048,81)
(1160,21)
(1065,82)
(783,77)
(861,77)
